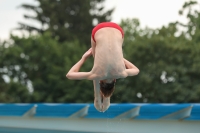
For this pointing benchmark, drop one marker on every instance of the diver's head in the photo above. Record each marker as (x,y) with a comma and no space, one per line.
(107,88)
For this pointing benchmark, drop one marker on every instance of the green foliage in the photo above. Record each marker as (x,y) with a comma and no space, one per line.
(67,20)
(44,62)
(168,60)
(168,65)
(10,89)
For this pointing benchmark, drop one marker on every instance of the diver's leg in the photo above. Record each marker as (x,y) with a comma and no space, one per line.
(97,96)
(106,103)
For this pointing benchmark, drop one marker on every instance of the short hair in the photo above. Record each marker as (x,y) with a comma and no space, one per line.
(107,89)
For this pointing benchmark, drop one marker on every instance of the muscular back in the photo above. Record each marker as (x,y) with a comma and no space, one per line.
(108,61)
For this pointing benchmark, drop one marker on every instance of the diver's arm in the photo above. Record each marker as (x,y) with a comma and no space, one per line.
(74,71)
(131,69)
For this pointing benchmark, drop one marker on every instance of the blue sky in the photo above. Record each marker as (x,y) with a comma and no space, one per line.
(151,13)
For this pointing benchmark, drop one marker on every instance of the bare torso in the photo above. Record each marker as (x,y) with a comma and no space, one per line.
(108,61)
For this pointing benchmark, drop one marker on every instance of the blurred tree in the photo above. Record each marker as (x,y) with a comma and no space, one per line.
(40,65)
(10,89)
(168,60)
(193,16)
(169,64)
(67,20)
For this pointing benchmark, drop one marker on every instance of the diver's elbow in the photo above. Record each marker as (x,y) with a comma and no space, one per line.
(137,72)
(68,76)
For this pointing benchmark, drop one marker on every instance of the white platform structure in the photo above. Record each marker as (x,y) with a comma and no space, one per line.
(83,118)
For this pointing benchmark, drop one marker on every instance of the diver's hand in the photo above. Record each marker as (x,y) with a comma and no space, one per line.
(87,54)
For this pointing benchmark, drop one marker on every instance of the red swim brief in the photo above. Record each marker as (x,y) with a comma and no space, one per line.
(106,24)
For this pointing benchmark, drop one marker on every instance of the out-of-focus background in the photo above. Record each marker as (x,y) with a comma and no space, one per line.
(40,40)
